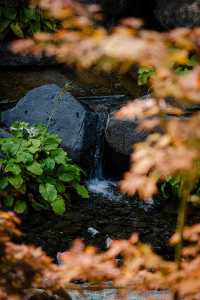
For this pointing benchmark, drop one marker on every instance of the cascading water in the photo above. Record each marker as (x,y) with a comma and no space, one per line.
(97,169)
(98,183)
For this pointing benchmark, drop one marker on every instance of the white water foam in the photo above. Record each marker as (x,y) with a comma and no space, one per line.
(106,188)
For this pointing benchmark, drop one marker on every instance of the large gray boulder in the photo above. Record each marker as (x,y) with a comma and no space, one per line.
(49,104)
(121,135)
(4,133)
(171,13)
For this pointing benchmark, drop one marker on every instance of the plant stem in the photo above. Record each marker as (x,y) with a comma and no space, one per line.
(185,192)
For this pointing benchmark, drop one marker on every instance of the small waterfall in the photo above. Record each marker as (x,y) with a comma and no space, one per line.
(98,183)
(97,169)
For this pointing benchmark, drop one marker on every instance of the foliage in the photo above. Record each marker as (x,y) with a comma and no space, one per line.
(24,268)
(24,21)
(144,74)
(36,171)
(175,151)
(170,188)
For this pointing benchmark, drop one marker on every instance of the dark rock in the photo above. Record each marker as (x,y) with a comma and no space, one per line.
(121,135)
(156,13)
(118,7)
(106,103)
(173,14)
(50,105)
(96,238)
(40,294)
(4,133)
(114,10)
(124,7)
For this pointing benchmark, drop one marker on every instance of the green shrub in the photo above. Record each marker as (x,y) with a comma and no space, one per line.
(144,74)
(36,171)
(23,21)
(170,188)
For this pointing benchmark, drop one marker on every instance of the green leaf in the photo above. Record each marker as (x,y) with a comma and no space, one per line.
(82,191)
(35,145)
(144,74)
(35,26)
(182,70)
(60,187)
(59,156)
(48,192)
(49,164)
(16,28)
(30,13)
(20,206)
(35,168)
(9,13)
(3,183)
(40,130)
(24,157)
(8,201)
(66,177)
(51,142)
(71,170)
(58,205)
(10,146)
(12,168)
(23,188)
(16,181)
(17,128)
(48,179)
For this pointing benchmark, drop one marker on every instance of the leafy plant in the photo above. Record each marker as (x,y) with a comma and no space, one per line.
(170,187)
(36,171)
(144,74)
(24,21)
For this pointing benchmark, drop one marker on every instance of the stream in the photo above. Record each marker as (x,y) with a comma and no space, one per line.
(98,184)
